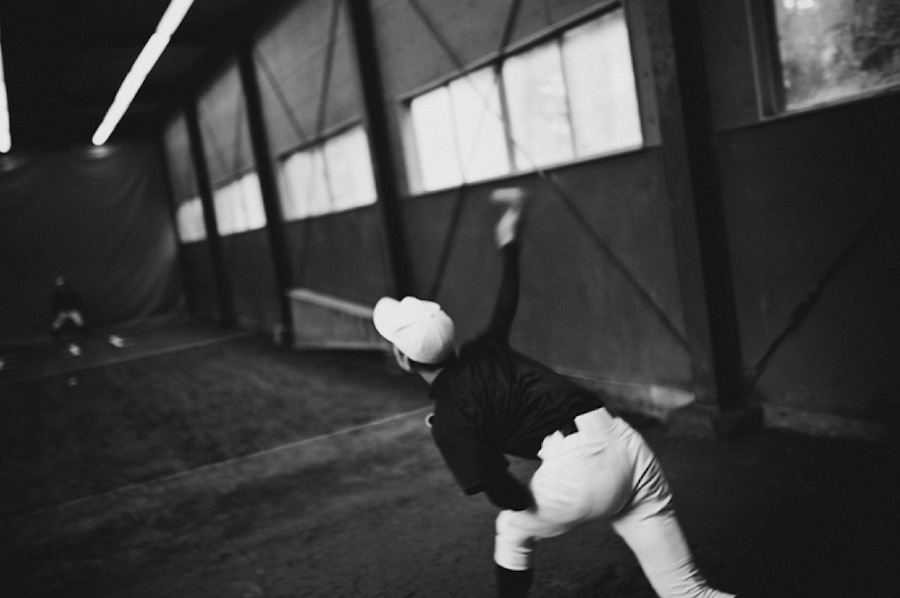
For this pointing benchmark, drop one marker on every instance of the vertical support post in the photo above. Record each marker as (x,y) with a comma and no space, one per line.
(269,188)
(671,34)
(709,212)
(213,240)
(379,141)
(172,204)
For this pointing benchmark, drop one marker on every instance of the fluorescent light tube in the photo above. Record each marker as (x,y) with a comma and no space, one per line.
(151,52)
(5,137)
(173,16)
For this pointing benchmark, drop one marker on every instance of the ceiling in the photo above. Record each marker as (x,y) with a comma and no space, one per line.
(65,59)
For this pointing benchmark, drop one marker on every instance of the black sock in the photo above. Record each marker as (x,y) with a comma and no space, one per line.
(513,584)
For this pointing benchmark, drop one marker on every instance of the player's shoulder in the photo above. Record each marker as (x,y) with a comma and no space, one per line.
(486,344)
(453,412)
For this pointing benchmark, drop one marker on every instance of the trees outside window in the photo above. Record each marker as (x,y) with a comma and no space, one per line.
(832,50)
(570,97)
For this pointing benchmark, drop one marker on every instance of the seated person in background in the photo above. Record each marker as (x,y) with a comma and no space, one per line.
(67,305)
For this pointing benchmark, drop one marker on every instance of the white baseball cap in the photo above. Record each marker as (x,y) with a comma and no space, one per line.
(420,329)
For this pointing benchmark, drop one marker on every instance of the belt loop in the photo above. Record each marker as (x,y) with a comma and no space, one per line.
(568,428)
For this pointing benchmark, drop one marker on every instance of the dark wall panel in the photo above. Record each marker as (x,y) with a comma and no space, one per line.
(199,282)
(578,311)
(222,113)
(179,160)
(797,191)
(249,266)
(341,254)
(307,74)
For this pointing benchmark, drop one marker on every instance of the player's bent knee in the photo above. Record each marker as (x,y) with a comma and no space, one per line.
(513,544)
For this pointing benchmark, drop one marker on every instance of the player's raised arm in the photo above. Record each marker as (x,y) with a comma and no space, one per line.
(507,233)
(513,201)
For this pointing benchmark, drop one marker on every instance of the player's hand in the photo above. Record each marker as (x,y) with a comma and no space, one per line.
(510,197)
(509,226)
(506,492)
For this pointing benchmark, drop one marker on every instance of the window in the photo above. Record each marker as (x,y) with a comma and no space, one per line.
(836,49)
(436,141)
(189,218)
(239,206)
(479,126)
(330,176)
(538,107)
(602,98)
(573,96)
(350,179)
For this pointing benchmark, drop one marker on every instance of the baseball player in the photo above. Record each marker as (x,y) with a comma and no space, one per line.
(491,401)
(67,305)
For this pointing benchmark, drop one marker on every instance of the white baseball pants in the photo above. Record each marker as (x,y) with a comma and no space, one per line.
(604,471)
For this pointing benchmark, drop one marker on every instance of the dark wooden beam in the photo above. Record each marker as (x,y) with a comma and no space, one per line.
(379,142)
(213,240)
(268,184)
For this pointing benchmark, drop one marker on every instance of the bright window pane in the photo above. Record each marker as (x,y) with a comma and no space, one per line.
(227,210)
(303,177)
(350,175)
(833,49)
(320,201)
(198,225)
(479,126)
(254,212)
(600,81)
(190,221)
(536,97)
(239,206)
(435,139)
(334,175)
(294,172)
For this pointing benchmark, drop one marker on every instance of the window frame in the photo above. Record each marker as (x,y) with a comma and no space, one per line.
(189,220)
(317,144)
(768,69)
(234,184)
(551,35)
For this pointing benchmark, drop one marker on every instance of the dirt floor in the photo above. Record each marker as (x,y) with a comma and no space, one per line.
(368,509)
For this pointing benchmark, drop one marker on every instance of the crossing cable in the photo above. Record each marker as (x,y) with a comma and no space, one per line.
(614,259)
(327,68)
(803,309)
(447,246)
(299,132)
(567,202)
(217,150)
